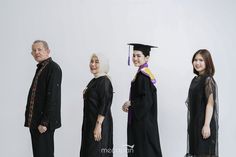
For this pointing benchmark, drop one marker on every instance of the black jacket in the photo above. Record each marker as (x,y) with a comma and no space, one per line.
(44,98)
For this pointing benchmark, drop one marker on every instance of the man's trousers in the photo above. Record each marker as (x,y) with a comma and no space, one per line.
(43,144)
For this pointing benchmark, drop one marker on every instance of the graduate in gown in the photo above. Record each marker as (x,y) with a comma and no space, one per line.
(202,106)
(143,135)
(97,128)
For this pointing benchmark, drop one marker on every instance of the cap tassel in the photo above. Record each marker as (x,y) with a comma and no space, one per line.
(129,56)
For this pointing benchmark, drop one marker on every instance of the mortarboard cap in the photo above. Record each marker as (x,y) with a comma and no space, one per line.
(140,47)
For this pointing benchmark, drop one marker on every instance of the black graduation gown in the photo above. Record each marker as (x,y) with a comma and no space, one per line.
(200,89)
(97,100)
(143,135)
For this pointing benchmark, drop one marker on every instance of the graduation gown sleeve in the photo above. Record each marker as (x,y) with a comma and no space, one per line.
(142,100)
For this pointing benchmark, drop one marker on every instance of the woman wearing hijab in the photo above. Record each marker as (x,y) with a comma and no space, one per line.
(97,128)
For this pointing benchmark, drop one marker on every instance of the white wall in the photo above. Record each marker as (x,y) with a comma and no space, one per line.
(76,28)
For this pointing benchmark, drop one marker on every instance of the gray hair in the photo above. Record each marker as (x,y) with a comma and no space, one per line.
(45,44)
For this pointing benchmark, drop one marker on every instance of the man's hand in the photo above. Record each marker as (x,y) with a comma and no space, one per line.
(42,129)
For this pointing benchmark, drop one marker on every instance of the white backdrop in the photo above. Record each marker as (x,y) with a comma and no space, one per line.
(76,28)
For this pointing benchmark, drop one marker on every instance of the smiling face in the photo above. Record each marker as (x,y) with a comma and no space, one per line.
(139,58)
(199,64)
(94,65)
(39,52)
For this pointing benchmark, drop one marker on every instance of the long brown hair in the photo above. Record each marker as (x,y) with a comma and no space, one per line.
(206,55)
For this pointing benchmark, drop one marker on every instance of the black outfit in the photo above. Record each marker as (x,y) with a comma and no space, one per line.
(143,135)
(44,107)
(97,101)
(43,144)
(200,89)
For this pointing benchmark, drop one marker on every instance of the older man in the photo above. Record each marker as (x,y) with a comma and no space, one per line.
(43,109)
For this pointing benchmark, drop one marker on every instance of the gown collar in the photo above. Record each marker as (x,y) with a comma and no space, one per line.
(146,71)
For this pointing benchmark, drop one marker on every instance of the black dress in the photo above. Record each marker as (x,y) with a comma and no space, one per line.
(200,89)
(97,100)
(143,135)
